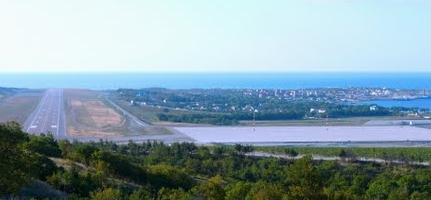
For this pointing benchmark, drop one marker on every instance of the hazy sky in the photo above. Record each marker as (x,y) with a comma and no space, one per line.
(215,35)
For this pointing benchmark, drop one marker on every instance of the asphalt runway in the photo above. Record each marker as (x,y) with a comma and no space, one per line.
(308,134)
(49,116)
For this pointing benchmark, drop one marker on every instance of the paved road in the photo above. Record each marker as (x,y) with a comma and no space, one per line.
(127,114)
(49,116)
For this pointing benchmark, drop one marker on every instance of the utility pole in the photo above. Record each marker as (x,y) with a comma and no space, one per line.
(254,119)
(327,121)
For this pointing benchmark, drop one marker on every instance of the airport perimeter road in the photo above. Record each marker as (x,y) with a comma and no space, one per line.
(49,115)
(127,114)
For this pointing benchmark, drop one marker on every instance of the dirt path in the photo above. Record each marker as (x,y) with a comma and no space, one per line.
(336,158)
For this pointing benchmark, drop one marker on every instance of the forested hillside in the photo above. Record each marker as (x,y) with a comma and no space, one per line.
(152,170)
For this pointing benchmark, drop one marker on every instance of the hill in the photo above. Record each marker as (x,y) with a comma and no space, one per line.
(154,170)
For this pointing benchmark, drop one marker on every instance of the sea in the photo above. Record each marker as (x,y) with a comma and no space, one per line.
(105,81)
(415,103)
(112,81)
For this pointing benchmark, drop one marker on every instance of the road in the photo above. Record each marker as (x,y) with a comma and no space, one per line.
(49,116)
(127,114)
(336,158)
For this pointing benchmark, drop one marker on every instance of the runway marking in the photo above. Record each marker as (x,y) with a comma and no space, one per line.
(60,93)
(39,107)
(47,117)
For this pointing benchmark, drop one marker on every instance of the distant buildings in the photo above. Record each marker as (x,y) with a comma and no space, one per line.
(247,100)
(321,111)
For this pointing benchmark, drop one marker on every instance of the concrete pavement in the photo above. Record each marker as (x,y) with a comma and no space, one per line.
(49,116)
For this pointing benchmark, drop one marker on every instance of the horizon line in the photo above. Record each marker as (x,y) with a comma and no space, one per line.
(216,72)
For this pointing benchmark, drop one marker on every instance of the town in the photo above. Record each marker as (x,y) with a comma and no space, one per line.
(205,99)
(228,106)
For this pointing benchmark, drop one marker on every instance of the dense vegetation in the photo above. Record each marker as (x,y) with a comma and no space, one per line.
(153,170)
(226,107)
(406,154)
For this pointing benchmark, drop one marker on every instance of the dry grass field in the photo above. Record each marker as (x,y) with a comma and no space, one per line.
(18,107)
(96,113)
(89,114)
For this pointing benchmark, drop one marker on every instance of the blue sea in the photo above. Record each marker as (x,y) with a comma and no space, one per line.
(416,103)
(103,81)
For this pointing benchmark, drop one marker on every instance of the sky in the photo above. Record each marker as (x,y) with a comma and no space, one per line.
(215,36)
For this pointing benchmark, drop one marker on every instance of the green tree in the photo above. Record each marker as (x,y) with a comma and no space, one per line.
(238,191)
(400,193)
(119,166)
(45,145)
(72,181)
(83,152)
(241,149)
(212,189)
(291,152)
(382,186)
(66,148)
(304,180)
(141,194)
(41,166)
(173,194)
(14,161)
(420,196)
(106,194)
(265,191)
(169,176)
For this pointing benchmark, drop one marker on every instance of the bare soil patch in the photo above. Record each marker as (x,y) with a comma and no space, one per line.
(89,115)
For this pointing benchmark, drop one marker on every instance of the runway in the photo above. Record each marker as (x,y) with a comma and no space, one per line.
(308,134)
(49,116)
